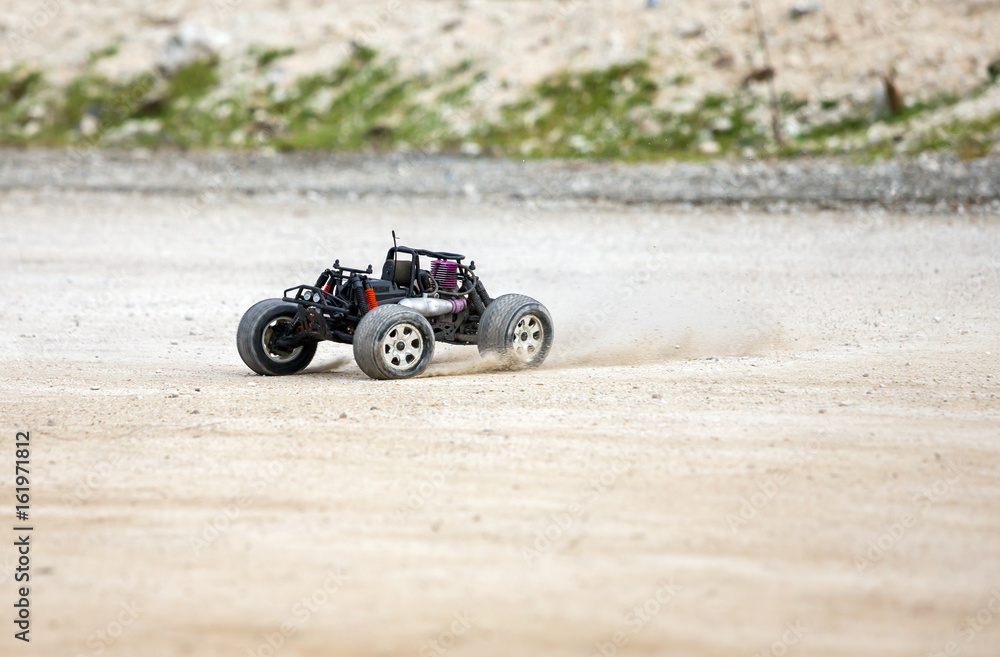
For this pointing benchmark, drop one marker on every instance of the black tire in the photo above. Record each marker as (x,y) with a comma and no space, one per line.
(518,329)
(260,319)
(393,342)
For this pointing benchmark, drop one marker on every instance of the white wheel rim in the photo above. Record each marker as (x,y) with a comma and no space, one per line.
(402,347)
(265,339)
(529,336)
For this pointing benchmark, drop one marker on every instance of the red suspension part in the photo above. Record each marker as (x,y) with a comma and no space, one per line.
(370,298)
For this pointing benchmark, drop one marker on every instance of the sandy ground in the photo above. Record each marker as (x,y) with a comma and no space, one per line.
(757,433)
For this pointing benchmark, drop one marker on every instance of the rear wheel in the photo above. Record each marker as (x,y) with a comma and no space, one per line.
(393,342)
(262,324)
(518,329)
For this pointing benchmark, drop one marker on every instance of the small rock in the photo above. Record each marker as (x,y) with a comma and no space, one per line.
(656,395)
(845,403)
(865,375)
(95,387)
(936,318)
(723,59)
(677,346)
(822,410)
(689,29)
(710,147)
(88,125)
(195,412)
(174,342)
(800,9)
(343,416)
(993,70)
(471,148)
(171,394)
(190,44)
(51,422)
(197,389)
(758,75)
(188,318)
(252,383)
(722,124)
(373,408)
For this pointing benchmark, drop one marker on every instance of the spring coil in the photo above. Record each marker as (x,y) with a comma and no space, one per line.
(370,298)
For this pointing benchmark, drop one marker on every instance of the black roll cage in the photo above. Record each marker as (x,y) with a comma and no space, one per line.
(415,259)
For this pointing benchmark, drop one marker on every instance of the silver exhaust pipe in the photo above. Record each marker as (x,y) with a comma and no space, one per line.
(429,307)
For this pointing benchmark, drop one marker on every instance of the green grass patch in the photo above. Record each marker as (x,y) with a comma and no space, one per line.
(267,56)
(366,102)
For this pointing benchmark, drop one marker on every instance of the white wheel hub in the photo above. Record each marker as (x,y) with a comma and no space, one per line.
(402,347)
(529,335)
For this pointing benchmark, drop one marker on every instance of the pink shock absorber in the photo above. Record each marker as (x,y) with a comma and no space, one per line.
(458,305)
(445,272)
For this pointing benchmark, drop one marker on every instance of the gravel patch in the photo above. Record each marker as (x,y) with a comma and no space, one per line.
(926,182)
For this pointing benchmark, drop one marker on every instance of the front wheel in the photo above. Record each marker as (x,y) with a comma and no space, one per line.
(518,329)
(393,342)
(262,324)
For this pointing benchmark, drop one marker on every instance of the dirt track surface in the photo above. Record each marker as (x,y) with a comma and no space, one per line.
(757,433)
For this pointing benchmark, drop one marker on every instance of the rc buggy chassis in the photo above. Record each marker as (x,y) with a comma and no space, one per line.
(394,321)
